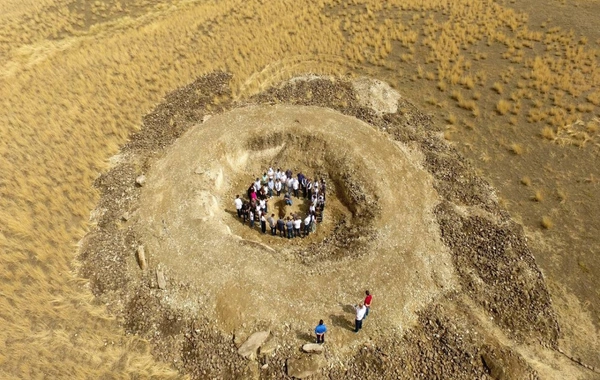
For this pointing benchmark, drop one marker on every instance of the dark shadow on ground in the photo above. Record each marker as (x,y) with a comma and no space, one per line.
(303,335)
(341,321)
(348,309)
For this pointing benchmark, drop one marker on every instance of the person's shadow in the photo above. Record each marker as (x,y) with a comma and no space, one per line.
(303,335)
(341,321)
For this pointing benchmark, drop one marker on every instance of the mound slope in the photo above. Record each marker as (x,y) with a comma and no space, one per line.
(185,219)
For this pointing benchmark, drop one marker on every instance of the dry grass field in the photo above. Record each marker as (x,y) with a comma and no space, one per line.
(516,89)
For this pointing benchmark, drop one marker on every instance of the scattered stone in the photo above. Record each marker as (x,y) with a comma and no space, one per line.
(126,216)
(377,95)
(205,118)
(141,257)
(160,278)
(313,348)
(265,366)
(141,180)
(304,366)
(250,346)
(269,347)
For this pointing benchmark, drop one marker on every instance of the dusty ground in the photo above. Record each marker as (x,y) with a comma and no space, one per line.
(183,216)
(514,85)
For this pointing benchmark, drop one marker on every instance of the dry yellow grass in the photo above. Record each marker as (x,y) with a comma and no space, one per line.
(502,107)
(547,222)
(538,196)
(498,88)
(548,133)
(56,137)
(526,181)
(516,149)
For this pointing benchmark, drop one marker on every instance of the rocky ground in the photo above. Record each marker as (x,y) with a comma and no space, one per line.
(499,279)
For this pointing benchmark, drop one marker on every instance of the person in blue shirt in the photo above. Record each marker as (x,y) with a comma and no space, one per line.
(320,331)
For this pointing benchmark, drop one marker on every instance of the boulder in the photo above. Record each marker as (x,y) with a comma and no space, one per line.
(313,348)
(160,278)
(141,180)
(269,347)
(141,257)
(251,345)
(304,366)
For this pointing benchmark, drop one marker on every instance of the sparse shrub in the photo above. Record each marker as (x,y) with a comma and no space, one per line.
(585,107)
(502,107)
(526,181)
(451,118)
(547,222)
(516,149)
(548,133)
(498,87)
(538,196)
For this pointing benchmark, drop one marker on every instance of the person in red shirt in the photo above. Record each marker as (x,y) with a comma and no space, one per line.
(367,302)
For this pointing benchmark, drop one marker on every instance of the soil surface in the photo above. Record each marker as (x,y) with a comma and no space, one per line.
(457,292)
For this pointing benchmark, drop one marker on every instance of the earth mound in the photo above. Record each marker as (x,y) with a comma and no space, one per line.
(411,222)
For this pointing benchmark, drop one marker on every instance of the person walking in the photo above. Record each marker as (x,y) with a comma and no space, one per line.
(273,225)
(289,225)
(320,331)
(238,205)
(251,217)
(368,300)
(360,315)
(263,223)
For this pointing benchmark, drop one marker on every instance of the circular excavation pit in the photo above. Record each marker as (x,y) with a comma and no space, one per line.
(380,232)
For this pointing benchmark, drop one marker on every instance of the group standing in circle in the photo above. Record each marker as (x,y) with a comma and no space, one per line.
(275,183)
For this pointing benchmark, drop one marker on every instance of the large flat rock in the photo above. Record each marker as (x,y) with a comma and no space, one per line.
(252,344)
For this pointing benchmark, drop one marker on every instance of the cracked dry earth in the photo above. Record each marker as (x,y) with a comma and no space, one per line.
(457,293)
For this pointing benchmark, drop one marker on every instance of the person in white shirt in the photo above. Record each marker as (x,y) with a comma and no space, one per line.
(307,222)
(251,218)
(284,180)
(263,205)
(270,173)
(297,224)
(278,174)
(263,223)
(361,310)
(278,187)
(257,185)
(289,183)
(238,205)
(295,186)
(271,185)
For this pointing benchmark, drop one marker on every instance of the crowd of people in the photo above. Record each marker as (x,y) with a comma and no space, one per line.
(277,183)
